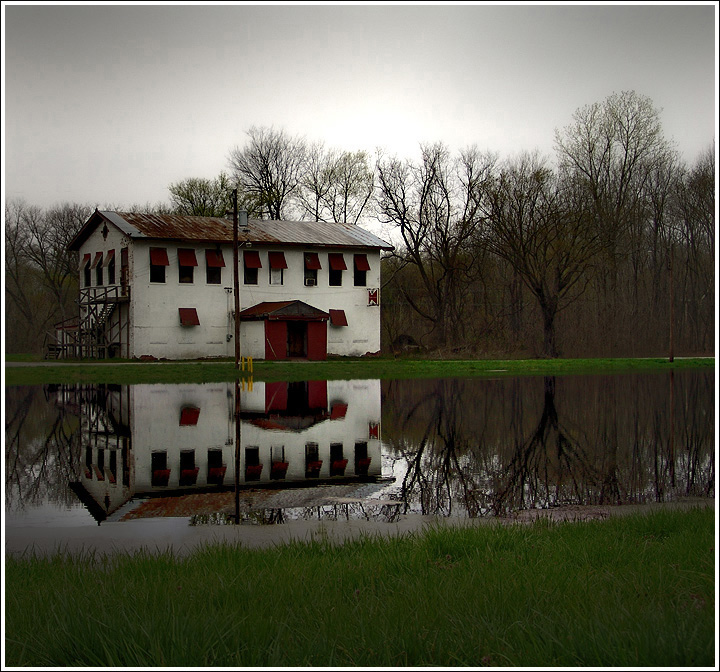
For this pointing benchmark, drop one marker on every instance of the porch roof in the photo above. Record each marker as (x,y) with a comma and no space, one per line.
(283,310)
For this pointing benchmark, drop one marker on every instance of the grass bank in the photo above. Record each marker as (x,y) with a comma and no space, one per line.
(120,372)
(629,591)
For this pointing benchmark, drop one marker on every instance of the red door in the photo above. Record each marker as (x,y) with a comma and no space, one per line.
(275,339)
(317,340)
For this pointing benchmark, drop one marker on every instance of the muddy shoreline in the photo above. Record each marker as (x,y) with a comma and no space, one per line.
(180,538)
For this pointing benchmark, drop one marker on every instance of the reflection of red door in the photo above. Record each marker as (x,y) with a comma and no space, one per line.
(317,394)
(317,340)
(275,339)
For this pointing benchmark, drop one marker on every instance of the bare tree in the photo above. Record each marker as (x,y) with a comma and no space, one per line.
(695,233)
(434,205)
(336,186)
(611,149)
(542,229)
(41,274)
(268,170)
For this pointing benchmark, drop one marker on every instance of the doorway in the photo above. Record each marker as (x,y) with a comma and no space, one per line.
(297,339)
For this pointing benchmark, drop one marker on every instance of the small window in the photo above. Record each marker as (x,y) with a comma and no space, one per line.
(252,263)
(313,463)
(86,271)
(214,263)
(312,265)
(158,262)
(186,265)
(110,263)
(253,466)
(337,266)
(188,470)
(361,267)
(276,276)
(277,266)
(98,266)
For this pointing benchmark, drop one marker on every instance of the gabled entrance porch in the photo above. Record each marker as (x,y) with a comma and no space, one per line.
(293,329)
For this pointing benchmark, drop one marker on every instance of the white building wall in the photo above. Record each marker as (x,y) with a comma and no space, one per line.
(158,333)
(157,327)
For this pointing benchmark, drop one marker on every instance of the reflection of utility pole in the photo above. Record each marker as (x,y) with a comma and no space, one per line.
(236,280)
(237,451)
(671,263)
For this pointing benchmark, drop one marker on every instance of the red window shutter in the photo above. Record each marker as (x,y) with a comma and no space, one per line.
(252,259)
(337,318)
(159,257)
(337,261)
(189,317)
(109,257)
(187,258)
(361,262)
(312,261)
(189,416)
(277,260)
(214,258)
(86,259)
(338,411)
(98,259)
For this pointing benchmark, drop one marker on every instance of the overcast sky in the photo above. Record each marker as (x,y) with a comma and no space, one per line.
(108,105)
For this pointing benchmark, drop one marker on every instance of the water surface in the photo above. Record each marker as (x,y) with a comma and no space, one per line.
(148,458)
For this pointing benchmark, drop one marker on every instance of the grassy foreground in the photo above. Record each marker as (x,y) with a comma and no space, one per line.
(629,591)
(120,372)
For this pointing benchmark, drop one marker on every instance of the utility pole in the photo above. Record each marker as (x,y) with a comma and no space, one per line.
(236,293)
(236,280)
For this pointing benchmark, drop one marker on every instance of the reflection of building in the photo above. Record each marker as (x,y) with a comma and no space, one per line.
(154,440)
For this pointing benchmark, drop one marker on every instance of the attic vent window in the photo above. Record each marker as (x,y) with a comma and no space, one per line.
(189,317)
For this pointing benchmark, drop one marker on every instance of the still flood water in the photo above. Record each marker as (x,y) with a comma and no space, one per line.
(269,453)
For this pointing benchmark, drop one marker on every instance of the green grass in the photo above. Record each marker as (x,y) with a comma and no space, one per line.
(332,369)
(630,591)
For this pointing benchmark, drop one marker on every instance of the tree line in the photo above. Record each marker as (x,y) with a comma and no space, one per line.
(607,250)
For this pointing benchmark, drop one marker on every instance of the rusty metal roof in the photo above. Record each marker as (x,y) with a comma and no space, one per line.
(220,230)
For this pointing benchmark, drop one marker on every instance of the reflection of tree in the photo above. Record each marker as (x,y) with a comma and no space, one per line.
(544,465)
(438,471)
(42,450)
(499,446)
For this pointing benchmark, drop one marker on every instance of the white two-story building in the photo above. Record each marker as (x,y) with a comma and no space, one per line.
(161,286)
